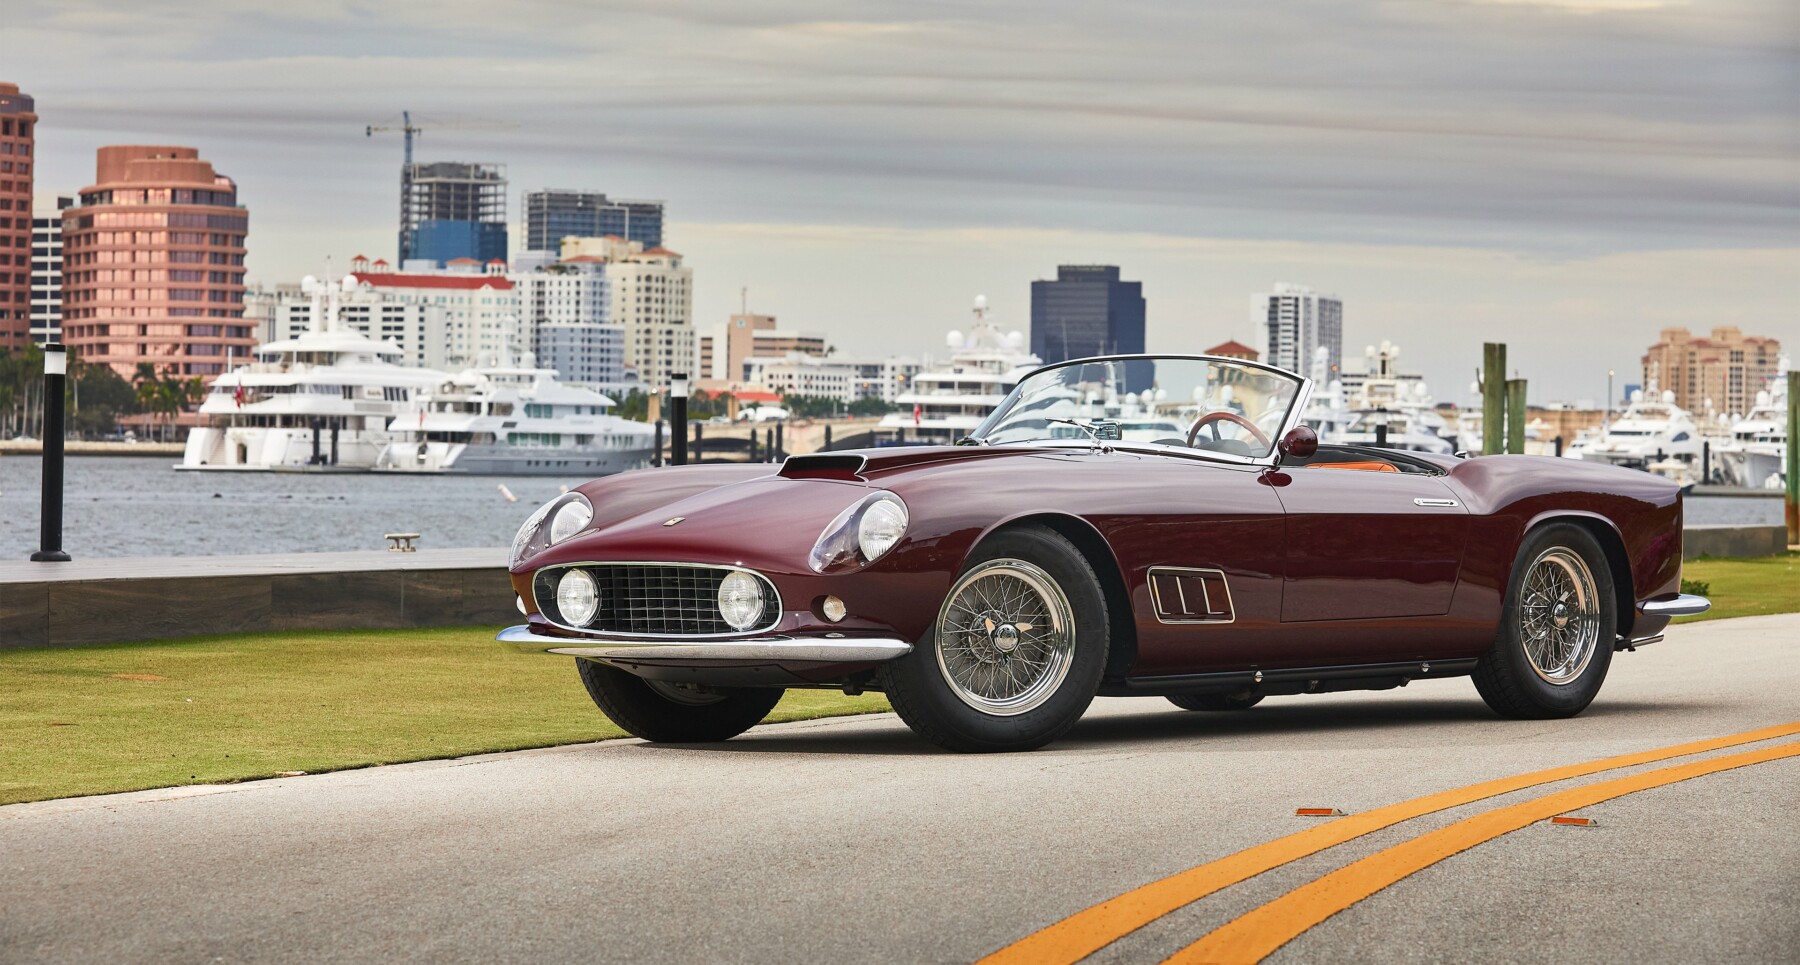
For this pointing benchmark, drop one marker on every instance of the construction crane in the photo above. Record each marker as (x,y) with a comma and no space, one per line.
(406,126)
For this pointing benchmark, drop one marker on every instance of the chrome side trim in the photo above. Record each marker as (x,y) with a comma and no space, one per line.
(1156,604)
(1633,644)
(773,589)
(1675,605)
(769,649)
(1425,501)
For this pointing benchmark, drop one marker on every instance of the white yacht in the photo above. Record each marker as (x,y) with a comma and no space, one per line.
(1650,430)
(1757,452)
(947,404)
(1403,404)
(321,402)
(515,421)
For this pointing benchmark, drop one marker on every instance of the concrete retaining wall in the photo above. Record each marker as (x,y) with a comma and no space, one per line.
(120,600)
(1733,541)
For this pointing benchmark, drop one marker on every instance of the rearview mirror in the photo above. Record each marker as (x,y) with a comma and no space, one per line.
(1300,442)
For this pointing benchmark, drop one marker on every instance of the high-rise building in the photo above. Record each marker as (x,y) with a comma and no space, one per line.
(1087,310)
(552,215)
(1728,368)
(46,272)
(566,308)
(451,210)
(1295,320)
(652,297)
(153,264)
(18,134)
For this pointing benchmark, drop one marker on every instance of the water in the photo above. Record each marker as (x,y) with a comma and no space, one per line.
(139,506)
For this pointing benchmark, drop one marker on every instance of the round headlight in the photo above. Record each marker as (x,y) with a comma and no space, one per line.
(740,600)
(577,598)
(882,525)
(571,517)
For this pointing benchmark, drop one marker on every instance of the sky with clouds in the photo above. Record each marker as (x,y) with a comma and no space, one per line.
(1568,176)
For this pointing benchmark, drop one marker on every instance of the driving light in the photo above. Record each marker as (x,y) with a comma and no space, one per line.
(860,534)
(834,609)
(740,600)
(570,518)
(577,598)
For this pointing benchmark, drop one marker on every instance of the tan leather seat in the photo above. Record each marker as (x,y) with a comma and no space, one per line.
(1369,466)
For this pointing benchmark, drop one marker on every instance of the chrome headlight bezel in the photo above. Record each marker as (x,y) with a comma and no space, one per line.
(546,527)
(864,532)
(580,586)
(741,601)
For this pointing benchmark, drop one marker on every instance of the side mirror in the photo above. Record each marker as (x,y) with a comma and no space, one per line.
(1300,442)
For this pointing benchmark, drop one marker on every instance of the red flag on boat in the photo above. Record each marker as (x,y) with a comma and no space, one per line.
(918,413)
(237,395)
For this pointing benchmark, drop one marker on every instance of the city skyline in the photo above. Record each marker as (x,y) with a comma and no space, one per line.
(1641,177)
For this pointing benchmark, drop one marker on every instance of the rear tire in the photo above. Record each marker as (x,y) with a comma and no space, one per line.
(1016,653)
(671,713)
(1215,702)
(1557,629)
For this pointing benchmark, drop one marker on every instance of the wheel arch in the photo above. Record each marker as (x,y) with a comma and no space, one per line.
(1122,625)
(1618,562)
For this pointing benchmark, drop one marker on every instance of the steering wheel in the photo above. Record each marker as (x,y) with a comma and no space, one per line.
(1225,415)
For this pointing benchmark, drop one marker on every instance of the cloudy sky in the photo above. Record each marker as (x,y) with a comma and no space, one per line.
(1564,175)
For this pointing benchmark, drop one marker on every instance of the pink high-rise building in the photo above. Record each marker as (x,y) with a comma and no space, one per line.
(18,132)
(153,264)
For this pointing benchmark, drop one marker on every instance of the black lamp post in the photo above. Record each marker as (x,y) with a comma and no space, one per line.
(678,420)
(56,368)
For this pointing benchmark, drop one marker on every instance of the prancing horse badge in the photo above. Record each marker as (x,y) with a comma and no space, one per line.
(675,520)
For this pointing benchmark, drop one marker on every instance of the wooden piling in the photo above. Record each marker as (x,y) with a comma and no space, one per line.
(1493,397)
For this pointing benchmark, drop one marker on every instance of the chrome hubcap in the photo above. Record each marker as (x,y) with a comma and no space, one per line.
(1005,637)
(1559,615)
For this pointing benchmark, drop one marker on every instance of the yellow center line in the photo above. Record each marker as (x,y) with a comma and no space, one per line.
(1092,929)
(1253,936)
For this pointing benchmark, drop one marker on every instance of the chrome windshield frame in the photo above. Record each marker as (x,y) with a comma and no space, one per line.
(1296,411)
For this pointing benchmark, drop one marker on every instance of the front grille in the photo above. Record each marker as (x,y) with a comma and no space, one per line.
(655,599)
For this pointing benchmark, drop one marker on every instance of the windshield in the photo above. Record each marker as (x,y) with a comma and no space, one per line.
(1223,406)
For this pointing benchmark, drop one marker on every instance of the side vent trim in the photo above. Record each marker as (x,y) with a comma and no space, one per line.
(1184,595)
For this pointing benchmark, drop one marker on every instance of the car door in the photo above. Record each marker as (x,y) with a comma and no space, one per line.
(1368,545)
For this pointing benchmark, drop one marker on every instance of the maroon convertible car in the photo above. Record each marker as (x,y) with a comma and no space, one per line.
(1128,525)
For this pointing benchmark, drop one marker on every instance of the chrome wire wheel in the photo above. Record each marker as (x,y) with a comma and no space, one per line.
(1005,637)
(1559,615)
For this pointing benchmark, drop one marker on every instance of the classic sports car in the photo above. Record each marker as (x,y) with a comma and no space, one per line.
(991,589)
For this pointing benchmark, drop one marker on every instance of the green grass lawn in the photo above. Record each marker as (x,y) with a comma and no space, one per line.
(1742,588)
(92,720)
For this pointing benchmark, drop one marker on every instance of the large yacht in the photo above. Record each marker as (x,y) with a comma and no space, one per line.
(1757,452)
(1652,429)
(321,402)
(515,421)
(1400,403)
(947,404)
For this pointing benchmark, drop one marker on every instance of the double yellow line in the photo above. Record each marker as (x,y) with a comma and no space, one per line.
(1262,931)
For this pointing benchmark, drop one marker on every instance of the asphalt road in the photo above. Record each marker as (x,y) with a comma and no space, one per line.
(850,840)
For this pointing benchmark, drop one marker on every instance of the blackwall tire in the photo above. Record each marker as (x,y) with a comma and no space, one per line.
(1215,702)
(1555,641)
(675,715)
(1016,653)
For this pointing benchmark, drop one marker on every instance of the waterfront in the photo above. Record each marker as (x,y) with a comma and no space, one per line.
(133,506)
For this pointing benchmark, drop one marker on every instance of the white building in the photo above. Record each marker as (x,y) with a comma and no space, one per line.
(566,309)
(846,380)
(1294,321)
(46,273)
(652,299)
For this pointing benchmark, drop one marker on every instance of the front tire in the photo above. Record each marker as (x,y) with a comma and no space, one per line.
(675,713)
(1016,653)
(1556,634)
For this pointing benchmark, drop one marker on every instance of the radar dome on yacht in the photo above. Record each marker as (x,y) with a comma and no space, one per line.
(954,339)
(1016,339)
(1762,397)
(1669,396)
(1368,351)
(981,303)
(348,284)
(1421,390)
(309,283)
(1637,395)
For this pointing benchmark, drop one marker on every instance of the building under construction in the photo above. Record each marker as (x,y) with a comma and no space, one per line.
(451,210)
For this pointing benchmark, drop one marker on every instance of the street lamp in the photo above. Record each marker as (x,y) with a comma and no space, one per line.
(1606,423)
(56,368)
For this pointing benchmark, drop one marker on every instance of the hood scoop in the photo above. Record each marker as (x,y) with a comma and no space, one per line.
(860,465)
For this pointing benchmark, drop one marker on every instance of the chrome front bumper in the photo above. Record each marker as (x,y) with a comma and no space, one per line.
(752,650)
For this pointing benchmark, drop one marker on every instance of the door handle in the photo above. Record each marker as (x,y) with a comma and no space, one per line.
(1422,501)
